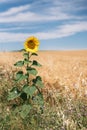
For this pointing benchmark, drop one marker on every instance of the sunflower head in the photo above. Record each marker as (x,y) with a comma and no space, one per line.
(31,44)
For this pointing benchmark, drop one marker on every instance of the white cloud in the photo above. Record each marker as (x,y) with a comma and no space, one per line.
(59,32)
(14,10)
(54,11)
(32,17)
(73,28)
(64,31)
(23,14)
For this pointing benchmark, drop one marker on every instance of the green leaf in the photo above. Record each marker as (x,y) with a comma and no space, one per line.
(23,78)
(32,90)
(14,93)
(32,71)
(39,78)
(25,88)
(26,55)
(39,99)
(25,109)
(19,63)
(29,90)
(23,50)
(35,63)
(34,54)
(20,76)
(38,82)
(26,61)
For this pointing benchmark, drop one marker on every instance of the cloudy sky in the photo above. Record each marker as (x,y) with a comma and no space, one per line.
(59,24)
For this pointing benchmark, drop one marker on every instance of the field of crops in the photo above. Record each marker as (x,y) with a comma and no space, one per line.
(64,74)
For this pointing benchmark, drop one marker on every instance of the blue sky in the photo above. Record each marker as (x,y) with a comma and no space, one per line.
(58,24)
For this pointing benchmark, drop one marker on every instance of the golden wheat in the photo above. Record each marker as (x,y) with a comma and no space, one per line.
(66,69)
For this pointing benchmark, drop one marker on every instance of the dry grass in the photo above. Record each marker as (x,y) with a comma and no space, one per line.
(64,75)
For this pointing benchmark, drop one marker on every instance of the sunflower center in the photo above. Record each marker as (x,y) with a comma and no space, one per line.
(31,44)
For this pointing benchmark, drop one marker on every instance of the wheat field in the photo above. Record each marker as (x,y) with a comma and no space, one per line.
(59,68)
(64,74)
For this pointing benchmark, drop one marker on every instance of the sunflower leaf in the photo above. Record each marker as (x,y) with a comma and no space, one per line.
(14,93)
(35,63)
(23,50)
(32,71)
(20,76)
(39,99)
(34,54)
(26,61)
(19,63)
(29,90)
(38,82)
(25,109)
(26,55)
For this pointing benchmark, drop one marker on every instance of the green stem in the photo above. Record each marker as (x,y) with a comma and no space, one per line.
(27,68)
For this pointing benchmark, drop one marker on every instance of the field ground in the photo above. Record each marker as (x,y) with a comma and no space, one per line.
(68,68)
(64,74)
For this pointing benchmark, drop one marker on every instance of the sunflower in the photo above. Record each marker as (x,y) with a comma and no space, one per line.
(31,44)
